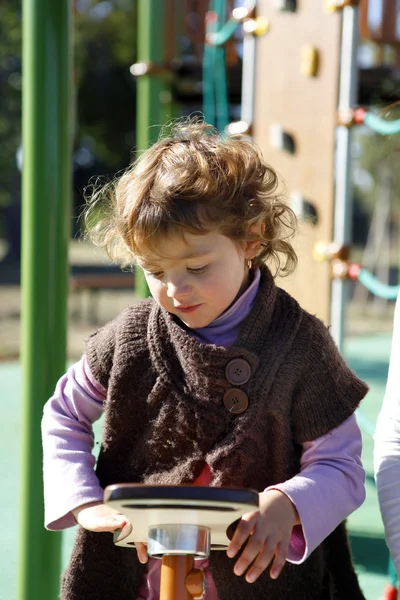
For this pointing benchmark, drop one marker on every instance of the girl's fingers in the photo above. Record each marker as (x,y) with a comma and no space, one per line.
(99,517)
(109,523)
(257,551)
(242,532)
(280,559)
(264,559)
(124,531)
(141,549)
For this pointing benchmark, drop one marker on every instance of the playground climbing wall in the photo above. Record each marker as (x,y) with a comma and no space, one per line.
(295,107)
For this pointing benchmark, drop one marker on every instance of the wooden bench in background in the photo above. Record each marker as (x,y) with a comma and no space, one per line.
(90,281)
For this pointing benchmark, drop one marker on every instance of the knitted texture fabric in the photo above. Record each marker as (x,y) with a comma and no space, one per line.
(165,418)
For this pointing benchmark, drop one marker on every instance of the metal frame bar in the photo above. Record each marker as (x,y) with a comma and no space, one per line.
(47,148)
(348,85)
(152,90)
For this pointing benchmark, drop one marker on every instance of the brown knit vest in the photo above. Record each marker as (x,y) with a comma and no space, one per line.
(165,419)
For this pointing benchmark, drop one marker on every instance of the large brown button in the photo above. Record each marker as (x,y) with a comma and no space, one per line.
(236,401)
(238,371)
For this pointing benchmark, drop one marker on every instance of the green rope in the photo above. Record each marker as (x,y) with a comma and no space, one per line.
(379,125)
(221,87)
(208,84)
(389,292)
(215,92)
(392,573)
(219,38)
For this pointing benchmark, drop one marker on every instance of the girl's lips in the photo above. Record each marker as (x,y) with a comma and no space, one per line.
(187,309)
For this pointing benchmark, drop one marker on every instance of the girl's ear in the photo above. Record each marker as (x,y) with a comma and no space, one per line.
(256,231)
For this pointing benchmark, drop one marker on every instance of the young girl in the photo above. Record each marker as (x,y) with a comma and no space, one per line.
(220,379)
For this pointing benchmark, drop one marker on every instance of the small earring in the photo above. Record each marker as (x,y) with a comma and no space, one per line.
(249,263)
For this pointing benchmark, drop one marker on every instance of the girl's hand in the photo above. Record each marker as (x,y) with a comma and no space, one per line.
(267,532)
(96,516)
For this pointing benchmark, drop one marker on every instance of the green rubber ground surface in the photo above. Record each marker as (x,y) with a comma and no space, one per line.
(368,356)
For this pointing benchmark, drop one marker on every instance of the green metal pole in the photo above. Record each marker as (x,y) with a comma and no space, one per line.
(45,234)
(153,91)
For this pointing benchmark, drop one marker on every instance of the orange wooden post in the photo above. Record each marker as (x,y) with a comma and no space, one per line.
(179,580)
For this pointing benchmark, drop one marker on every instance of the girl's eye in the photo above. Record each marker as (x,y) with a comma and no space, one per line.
(198,271)
(156,275)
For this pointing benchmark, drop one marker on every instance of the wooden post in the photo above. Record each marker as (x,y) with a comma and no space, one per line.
(179,580)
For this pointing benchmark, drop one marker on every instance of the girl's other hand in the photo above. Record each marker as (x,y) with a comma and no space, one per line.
(267,532)
(96,516)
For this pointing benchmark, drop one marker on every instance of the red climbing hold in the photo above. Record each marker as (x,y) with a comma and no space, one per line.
(390,593)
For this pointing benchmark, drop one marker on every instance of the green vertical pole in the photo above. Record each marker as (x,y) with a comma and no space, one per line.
(45,234)
(153,91)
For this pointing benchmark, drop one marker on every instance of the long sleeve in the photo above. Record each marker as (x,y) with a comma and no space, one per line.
(329,487)
(68,462)
(387,449)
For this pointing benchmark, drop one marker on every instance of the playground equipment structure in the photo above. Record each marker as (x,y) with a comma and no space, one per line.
(287,81)
(180,524)
(320,77)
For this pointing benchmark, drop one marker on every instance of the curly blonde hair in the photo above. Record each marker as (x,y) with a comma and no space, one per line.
(193,179)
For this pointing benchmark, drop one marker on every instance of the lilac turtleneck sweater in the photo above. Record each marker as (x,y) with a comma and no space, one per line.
(328,488)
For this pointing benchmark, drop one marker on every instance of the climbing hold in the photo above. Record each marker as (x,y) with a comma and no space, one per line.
(303,209)
(330,251)
(334,5)
(280,139)
(257,27)
(286,5)
(309,61)
(390,593)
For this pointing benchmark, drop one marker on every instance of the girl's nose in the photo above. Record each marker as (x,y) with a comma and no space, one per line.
(177,289)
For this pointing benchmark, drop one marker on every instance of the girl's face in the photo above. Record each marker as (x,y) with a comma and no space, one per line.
(197,277)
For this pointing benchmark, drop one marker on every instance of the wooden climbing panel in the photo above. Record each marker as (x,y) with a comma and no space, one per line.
(298,109)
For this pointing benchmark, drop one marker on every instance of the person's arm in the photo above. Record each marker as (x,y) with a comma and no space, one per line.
(387,449)
(329,487)
(68,462)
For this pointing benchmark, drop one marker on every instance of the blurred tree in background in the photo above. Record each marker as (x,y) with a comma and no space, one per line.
(375,152)
(10,96)
(105,47)
(376,214)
